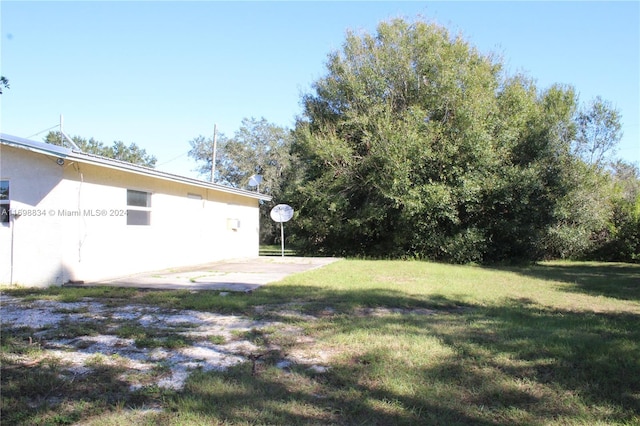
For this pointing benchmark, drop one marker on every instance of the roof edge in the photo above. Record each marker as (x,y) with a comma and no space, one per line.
(66,153)
(41,147)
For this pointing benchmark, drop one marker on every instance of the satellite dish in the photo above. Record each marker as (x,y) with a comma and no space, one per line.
(282,213)
(255,180)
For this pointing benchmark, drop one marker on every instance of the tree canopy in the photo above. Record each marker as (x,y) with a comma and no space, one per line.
(599,131)
(131,153)
(256,148)
(4,83)
(416,144)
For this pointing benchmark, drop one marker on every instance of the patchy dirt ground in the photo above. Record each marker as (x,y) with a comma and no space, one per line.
(153,346)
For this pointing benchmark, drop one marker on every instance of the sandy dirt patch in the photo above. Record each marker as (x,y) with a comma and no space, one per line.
(210,341)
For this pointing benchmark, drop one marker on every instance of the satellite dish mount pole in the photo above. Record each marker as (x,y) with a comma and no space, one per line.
(281,237)
(213,157)
(281,213)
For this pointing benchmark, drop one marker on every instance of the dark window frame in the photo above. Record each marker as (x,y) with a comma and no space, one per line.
(138,207)
(5,201)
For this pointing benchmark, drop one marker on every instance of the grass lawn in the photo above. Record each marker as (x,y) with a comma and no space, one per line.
(405,342)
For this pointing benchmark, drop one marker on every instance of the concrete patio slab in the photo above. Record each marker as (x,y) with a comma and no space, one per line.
(241,275)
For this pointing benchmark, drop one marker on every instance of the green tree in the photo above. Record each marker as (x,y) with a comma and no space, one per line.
(118,151)
(378,140)
(589,217)
(414,144)
(131,153)
(4,83)
(256,148)
(532,137)
(582,215)
(202,152)
(620,239)
(599,131)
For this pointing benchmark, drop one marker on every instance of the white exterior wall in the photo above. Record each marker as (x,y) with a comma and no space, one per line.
(33,240)
(85,237)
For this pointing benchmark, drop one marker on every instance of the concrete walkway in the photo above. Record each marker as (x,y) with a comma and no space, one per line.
(229,275)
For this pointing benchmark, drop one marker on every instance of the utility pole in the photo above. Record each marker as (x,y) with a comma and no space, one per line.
(213,159)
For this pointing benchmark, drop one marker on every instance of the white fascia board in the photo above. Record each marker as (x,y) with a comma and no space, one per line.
(147,171)
(82,157)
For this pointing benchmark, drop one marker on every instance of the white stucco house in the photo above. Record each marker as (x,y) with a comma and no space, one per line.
(69,216)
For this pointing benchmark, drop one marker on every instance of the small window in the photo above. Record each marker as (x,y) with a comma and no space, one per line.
(194,196)
(139,211)
(138,198)
(4,201)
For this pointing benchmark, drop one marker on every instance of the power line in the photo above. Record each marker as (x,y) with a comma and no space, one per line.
(172,159)
(42,131)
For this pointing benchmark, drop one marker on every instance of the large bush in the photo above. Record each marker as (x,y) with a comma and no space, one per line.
(416,144)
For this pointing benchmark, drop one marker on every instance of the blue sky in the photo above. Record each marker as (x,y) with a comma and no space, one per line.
(161,73)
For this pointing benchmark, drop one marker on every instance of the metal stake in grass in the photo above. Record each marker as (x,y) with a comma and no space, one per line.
(282,213)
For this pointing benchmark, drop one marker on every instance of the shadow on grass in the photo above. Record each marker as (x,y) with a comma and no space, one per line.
(43,393)
(302,398)
(616,280)
(593,358)
(515,363)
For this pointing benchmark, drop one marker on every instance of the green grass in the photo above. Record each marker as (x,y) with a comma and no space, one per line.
(406,342)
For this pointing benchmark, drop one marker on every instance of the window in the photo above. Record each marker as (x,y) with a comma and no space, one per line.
(139,211)
(4,201)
